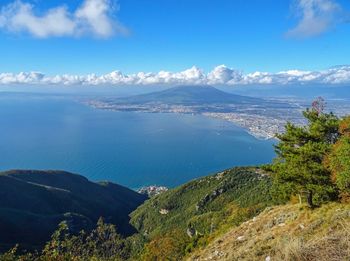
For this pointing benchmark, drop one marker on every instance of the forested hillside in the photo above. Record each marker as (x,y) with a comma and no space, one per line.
(179,220)
(33,203)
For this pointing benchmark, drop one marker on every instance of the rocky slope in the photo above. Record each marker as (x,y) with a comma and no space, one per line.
(290,232)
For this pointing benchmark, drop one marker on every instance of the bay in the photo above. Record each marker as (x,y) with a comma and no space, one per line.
(132,149)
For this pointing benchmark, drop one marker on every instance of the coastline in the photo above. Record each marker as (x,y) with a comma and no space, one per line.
(260,127)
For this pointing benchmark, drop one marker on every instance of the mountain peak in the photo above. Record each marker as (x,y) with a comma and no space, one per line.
(189,95)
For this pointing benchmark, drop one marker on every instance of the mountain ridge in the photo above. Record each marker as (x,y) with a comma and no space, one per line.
(187,95)
(39,200)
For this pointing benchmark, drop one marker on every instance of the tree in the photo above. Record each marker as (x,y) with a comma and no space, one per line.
(57,247)
(339,160)
(298,168)
(102,243)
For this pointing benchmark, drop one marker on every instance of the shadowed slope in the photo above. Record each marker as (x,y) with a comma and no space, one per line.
(39,200)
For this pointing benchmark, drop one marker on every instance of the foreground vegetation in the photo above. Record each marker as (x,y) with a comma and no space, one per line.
(313,160)
(297,208)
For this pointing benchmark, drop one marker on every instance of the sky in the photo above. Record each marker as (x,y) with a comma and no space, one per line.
(231,42)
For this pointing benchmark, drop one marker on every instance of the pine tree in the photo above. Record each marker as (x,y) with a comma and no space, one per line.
(298,168)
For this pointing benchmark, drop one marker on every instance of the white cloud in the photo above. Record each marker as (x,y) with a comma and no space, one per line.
(93,17)
(224,75)
(315,17)
(21,78)
(220,75)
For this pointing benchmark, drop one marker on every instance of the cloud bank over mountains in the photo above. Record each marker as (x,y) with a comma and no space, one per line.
(220,75)
(92,17)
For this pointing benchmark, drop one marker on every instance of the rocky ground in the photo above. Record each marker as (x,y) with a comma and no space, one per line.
(291,232)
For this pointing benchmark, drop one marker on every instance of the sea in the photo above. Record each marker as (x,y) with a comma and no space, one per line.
(58,132)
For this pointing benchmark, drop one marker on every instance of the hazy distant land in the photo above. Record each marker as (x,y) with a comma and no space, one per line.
(262,118)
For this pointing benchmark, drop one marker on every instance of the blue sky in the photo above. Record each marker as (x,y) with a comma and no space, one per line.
(174,35)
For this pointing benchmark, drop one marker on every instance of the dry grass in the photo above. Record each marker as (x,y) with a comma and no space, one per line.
(291,233)
(333,246)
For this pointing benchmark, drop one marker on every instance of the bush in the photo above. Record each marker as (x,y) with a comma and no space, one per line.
(339,160)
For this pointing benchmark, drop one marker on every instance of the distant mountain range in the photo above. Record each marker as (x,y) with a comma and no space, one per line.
(33,203)
(188,95)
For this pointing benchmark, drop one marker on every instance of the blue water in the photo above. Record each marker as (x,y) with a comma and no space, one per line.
(132,149)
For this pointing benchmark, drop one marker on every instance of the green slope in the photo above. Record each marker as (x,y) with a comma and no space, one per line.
(34,202)
(205,206)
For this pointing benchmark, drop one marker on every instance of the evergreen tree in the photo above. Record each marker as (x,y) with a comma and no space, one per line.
(298,168)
